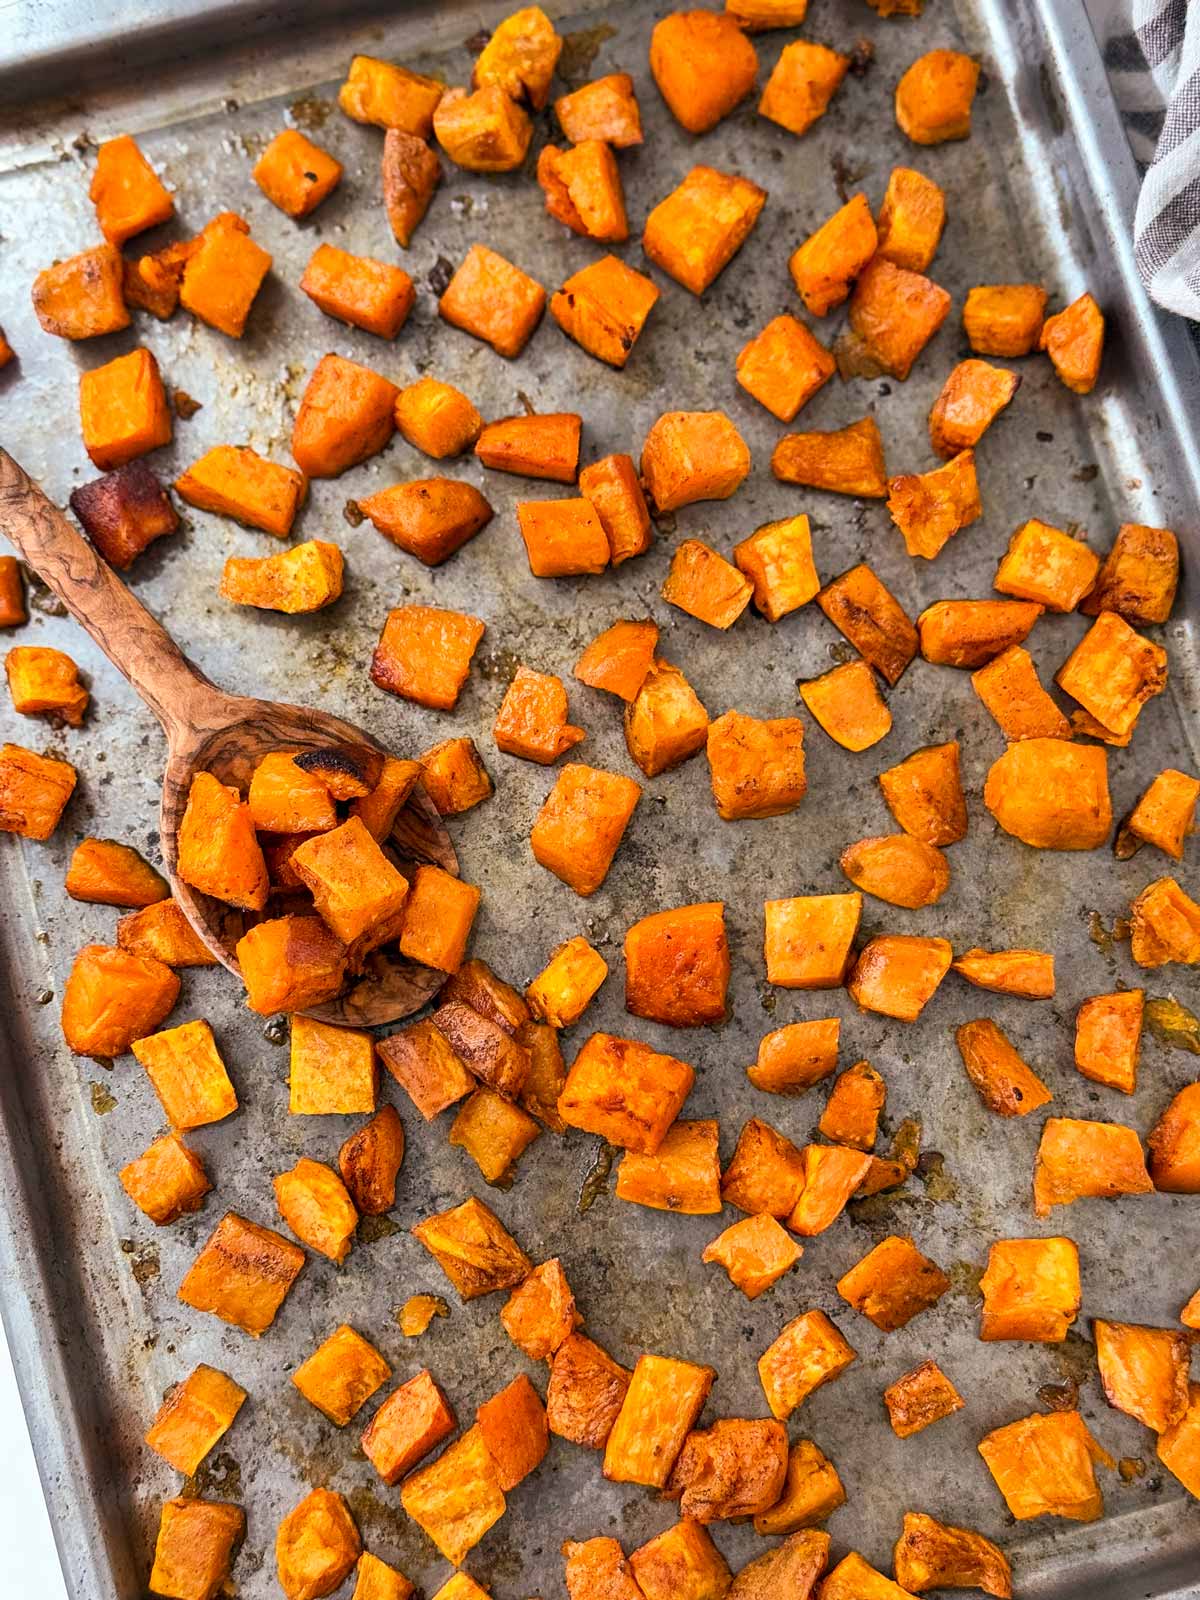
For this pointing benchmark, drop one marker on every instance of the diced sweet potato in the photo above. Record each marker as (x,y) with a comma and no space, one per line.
(665,724)
(847,704)
(596,1569)
(929,508)
(586,1392)
(1165,925)
(283,798)
(1108,1036)
(493,300)
(755,15)
(1074,341)
(417,1313)
(897,868)
(1051,794)
(474,1249)
(1139,576)
(681,1563)
(697,230)
(410,172)
(513,1424)
(1179,1446)
(540,1313)
(661,1404)
(359,894)
(1011,690)
(454,776)
(188,1074)
(851,1114)
(693,455)
(423,1063)
(580,827)
(239,483)
(563,538)
(162,931)
(811,1494)
(924,794)
(106,873)
(542,445)
(921,1397)
(482,132)
(487,1047)
(683,1174)
(808,939)
(778,560)
(756,768)
(677,966)
(829,260)
(1164,816)
(459,1586)
(1144,1371)
(1077,1159)
(424,654)
(332,1069)
(370,1160)
(1175,1144)
(437,918)
(316,1545)
(793,1058)
(305,578)
(476,985)
(606,108)
(243,1274)
(1043,1465)
(972,397)
(195,1415)
(705,585)
(755,1252)
(933,98)
(520,56)
(296,175)
(532,720)
(12,589)
(113,997)
(1004,1082)
(437,418)
(897,974)
(126,191)
(193,1553)
(832,1174)
(618,659)
(625,1092)
(373,295)
(934,1555)
(1030,1290)
(611,485)
(734,1469)
(1004,319)
(807,1353)
(793,1568)
(862,608)
(583,189)
(375,1580)
(81,298)
(855,1579)
(42,681)
(1044,564)
(893,315)
(802,83)
(493,1132)
(223,274)
(703,65)
(166,1181)
(123,410)
(846,461)
(893,1283)
(289,964)
(565,987)
(412,1421)
(346,414)
(1113,671)
(910,222)
(546,1076)
(341,1375)
(784,366)
(123,512)
(316,1205)
(458,1497)
(389,96)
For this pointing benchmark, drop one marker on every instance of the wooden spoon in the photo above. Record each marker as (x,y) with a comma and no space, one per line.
(207,729)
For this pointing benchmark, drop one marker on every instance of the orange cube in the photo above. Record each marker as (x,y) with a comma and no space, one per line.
(845,461)
(458,1497)
(123,409)
(666,723)
(520,56)
(316,1205)
(194,1417)
(412,1421)
(1011,690)
(82,297)
(542,445)
(693,455)
(1139,576)
(924,794)
(661,1405)
(931,1555)
(565,987)
(369,294)
(793,1058)
(897,974)
(44,681)
(910,221)
(611,485)
(705,585)
(606,108)
(802,83)
(1043,1465)
(1077,1159)
(1113,671)
(425,654)
(411,172)
(807,1353)
(853,1578)
(847,704)
(809,938)
(931,507)
(703,65)
(437,918)
(563,538)
(296,175)
(113,997)
(424,1064)
(493,300)
(243,1274)
(682,1563)
(123,512)
(166,1180)
(454,776)
(547,1074)
(332,1070)
(1005,1083)
(494,1133)
(1175,1144)
(430,518)
(346,414)
(370,1161)
(540,1313)
(894,313)
(784,366)
(1004,319)
(474,1249)
(488,1047)
(829,260)
(851,1114)
(755,15)
(832,1174)
(811,1494)
(677,966)
(187,1074)
(1165,925)
(968,633)
(1108,1036)
(624,1091)
(604,307)
(919,1398)
(1030,1290)
(316,1545)
(586,1391)
(618,659)
(1051,794)
(734,1469)
(477,987)
(1144,1371)
(580,827)
(893,1283)
(482,132)
(1164,816)
(224,274)
(756,768)
(513,1424)
(862,608)
(437,418)
(377,1581)
(683,1174)
(285,799)
(583,189)
(341,1375)
(778,560)
(289,964)
(388,96)
(532,720)
(241,484)
(193,1553)
(755,1252)
(12,590)
(598,1568)
(972,397)
(1074,341)
(897,868)
(933,98)
(357,891)
(697,230)
(126,191)
(1179,1446)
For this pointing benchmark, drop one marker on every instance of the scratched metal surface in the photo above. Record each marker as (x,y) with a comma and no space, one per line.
(89,1285)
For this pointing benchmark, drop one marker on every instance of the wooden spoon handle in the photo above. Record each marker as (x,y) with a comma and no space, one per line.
(178,693)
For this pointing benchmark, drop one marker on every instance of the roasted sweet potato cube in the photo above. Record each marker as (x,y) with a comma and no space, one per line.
(485,1046)
(412,1421)
(193,1553)
(493,1132)
(934,1555)
(697,230)
(793,1058)
(832,1174)
(681,1563)
(1074,341)
(933,98)
(370,1161)
(513,1423)
(893,1283)
(606,108)
(423,1063)
(316,1545)
(424,654)
(540,1313)
(1139,576)
(921,1397)
(583,189)
(152,282)
(1175,1144)
(163,932)
(166,1181)
(580,826)
(677,966)
(459,1586)
(547,1073)
(1113,671)
(807,1353)
(732,1470)
(1164,816)
(346,414)
(483,132)
(359,894)
(1043,1465)
(375,1580)
(454,776)
(1004,319)
(625,1092)
(929,508)
(437,918)
(123,410)
(755,15)
(242,1274)
(972,397)
(618,659)
(348,771)
(103,872)
(661,1404)
(12,588)
(113,997)
(755,1252)
(846,461)
(474,1249)
(1076,1159)
(1011,690)
(418,1312)
(532,720)
(897,868)
(705,585)
(897,974)
(123,512)
(283,798)
(542,445)
(126,191)
(665,724)
(389,96)
(316,1205)
(703,65)
(1144,1371)
(851,1114)
(847,704)
(924,794)
(968,633)
(778,560)
(341,1375)
(45,682)
(437,418)
(332,1069)
(81,298)
(1051,794)
(493,300)
(296,175)
(596,1569)
(1004,1082)
(194,1416)
(784,366)
(802,83)
(476,985)
(893,315)
(829,260)
(693,455)
(1030,1290)
(1108,1036)
(1165,923)
(290,963)
(223,274)
(458,1497)
(586,1392)
(812,1492)
(855,1579)
(809,938)
(563,538)
(792,1568)
(520,57)
(565,987)
(910,222)
(188,1075)
(862,608)
(683,1174)
(756,768)
(1044,564)
(1179,1446)
(305,578)
(219,853)
(611,485)
(373,295)
(410,172)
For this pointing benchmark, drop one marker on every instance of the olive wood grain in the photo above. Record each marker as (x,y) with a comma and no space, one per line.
(207,729)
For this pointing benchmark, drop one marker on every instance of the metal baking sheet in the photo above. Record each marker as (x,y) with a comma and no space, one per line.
(1038,192)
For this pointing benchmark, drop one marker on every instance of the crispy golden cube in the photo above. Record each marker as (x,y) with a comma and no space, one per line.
(935,1555)
(697,230)
(474,1249)
(458,1497)
(732,1470)
(755,1252)
(188,1075)
(893,1283)
(624,1091)
(540,1313)
(586,1392)
(1078,1158)
(332,1069)
(1144,1371)
(807,1353)
(1113,671)
(493,1132)
(195,1415)
(681,1564)
(809,939)
(316,1205)
(921,1397)
(166,1180)
(316,1546)
(661,1405)
(514,1429)
(811,1494)
(341,1375)
(193,1554)
(1043,1465)
(411,1422)
(1031,1290)
(424,1064)
(243,1274)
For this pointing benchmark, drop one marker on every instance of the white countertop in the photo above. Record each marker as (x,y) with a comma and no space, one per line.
(30,1559)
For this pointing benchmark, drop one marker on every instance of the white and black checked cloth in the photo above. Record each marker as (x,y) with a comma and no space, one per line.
(1152,52)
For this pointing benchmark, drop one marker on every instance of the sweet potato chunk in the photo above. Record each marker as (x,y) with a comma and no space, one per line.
(410,172)
(677,966)
(1011,690)
(921,1397)
(807,1353)
(1051,794)
(1044,564)
(493,300)
(316,1205)
(618,659)
(565,987)
(243,1274)
(81,298)
(894,314)
(563,538)
(583,189)
(811,1494)
(661,1404)
(596,1569)
(580,827)
(862,608)
(12,589)
(1175,1144)
(793,1058)
(437,418)
(375,1580)
(934,1555)
(316,1545)
(42,681)
(543,445)
(1004,1082)
(193,1418)
(126,191)
(910,222)
(802,83)
(893,1283)
(1030,1290)
(106,873)
(1164,816)
(346,415)
(290,963)
(1113,671)
(755,1252)
(606,108)
(123,512)
(1179,1446)
(933,98)
(113,997)
(454,776)
(1108,1036)
(520,57)
(832,1174)
(482,132)
(412,1421)
(296,175)
(341,1375)
(924,794)
(223,274)
(929,508)
(370,1160)
(437,918)
(897,868)
(357,891)
(188,1075)
(474,984)
(734,1469)
(488,1048)
(697,230)
(693,455)
(285,799)
(778,560)
(855,1579)
(756,768)
(847,704)
(389,96)
(784,366)
(625,1092)
(513,1423)
(665,724)
(1043,1466)
(305,578)
(851,1114)
(424,654)
(1139,576)
(809,938)
(474,1249)
(493,1132)
(1144,1371)
(703,65)
(123,410)
(611,485)
(373,295)
(967,633)
(846,461)
(162,931)
(1074,341)
(424,1064)
(792,1568)
(166,1181)
(972,397)
(1077,1159)
(681,1563)
(193,1553)
(1165,925)
(705,585)
(532,720)
(586,1392)
(829,260)
(332,1069)
(458,1497)
(897,974)
(540,1315)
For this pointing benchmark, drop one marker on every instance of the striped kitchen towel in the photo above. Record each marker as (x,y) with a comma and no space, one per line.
(1152,53)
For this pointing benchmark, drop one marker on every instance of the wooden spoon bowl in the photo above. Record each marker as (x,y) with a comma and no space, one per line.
(211,731)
